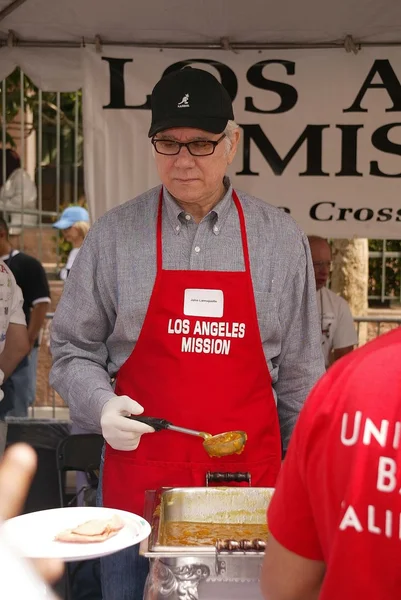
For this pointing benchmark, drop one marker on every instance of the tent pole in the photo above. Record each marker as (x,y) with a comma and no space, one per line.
(194,46)
(10,8)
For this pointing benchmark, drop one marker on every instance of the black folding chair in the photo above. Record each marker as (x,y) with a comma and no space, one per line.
(80,452)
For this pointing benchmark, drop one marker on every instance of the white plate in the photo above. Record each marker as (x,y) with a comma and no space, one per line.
(34,533)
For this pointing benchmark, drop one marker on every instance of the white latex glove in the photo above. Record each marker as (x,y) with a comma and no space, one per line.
(118,431)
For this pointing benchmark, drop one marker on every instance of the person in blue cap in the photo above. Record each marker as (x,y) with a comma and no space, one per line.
(74,224)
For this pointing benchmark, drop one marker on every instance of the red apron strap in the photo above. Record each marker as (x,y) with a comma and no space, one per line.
(243,232)
(159,243)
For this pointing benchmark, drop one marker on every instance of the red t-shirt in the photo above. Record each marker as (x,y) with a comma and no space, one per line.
(338,495)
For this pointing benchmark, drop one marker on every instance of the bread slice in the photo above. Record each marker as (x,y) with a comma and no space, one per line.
(96,530)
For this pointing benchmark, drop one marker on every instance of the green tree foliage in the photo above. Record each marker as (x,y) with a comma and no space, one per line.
(44,104)
(47,112)
(392,269)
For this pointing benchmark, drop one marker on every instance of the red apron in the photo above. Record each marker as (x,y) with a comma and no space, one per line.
(198,363)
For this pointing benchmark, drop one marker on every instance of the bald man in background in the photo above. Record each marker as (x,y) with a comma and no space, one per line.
(338,330)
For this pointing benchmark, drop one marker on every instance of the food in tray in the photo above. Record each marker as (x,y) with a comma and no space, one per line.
(175,533)
(96,530)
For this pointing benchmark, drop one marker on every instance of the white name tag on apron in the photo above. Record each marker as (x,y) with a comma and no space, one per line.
(203,303)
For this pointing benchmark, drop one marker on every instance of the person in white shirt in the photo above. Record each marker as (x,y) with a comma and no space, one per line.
(20,388)
(14,340)
(74,225)
(18,193)
(338,330)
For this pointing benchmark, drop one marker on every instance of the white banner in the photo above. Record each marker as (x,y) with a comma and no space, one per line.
(51,69)
(321,131)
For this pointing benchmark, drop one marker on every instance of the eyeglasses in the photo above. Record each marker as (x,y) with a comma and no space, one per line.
(323,264)
(196,148)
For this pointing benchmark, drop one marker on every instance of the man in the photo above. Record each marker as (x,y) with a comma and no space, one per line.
(14,342)
(20,389)
(17,190)
(201,302)
(338,331)
(335,515)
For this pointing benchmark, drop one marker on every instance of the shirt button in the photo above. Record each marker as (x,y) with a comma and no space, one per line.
(197,249)
(178,228)
(216,229)
(188,217)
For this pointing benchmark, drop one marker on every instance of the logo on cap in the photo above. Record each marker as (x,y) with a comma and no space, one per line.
(184,102)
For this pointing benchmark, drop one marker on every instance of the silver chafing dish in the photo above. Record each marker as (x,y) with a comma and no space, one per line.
(177,570)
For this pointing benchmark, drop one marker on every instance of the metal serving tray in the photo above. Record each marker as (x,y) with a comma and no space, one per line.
(177,571)
(228,505)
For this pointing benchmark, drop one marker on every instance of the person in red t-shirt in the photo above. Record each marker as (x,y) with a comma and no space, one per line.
(335,517)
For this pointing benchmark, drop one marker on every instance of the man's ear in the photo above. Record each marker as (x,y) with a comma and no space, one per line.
(234,146)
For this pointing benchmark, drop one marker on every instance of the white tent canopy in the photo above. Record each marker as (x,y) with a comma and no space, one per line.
(205,22)
(344,179)
(212,24)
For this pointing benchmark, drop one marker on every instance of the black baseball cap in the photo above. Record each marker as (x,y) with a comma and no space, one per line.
(190,98)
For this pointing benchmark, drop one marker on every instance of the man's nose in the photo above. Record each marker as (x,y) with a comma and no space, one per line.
(323,267)
(184,156)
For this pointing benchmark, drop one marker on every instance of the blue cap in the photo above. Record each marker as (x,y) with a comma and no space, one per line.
(72,215)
